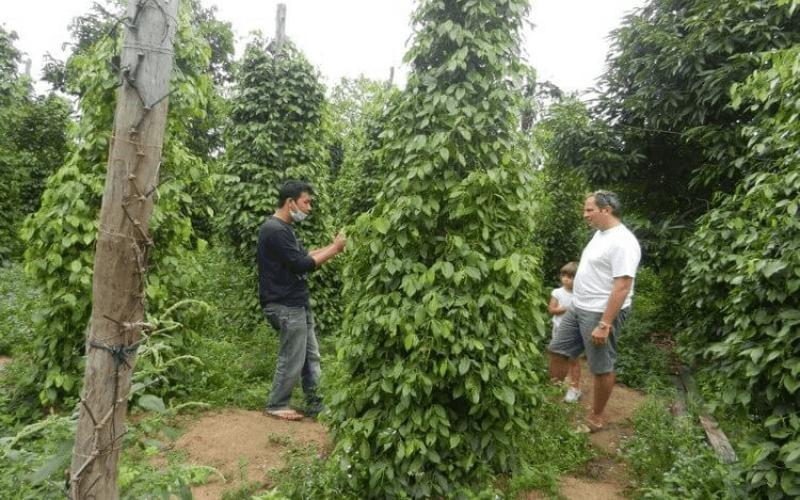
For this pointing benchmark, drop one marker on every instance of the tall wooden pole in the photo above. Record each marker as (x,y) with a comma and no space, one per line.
(280,27)
(122,246)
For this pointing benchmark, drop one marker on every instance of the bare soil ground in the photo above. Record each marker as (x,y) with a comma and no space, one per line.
(606,477)
(245,445)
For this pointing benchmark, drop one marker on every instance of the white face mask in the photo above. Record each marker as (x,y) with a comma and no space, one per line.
(297,215)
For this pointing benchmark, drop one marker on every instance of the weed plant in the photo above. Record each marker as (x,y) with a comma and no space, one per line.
(34,458)
(670,458)
(19,392)
(149,467)
(17,296)
(550,448)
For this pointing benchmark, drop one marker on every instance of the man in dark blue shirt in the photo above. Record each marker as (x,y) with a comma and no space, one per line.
(283,264)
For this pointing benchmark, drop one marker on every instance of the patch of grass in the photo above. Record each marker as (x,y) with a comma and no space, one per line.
(237,347)
(279,439)
(149,466)
(19,391)
(17,297)
(641,364)
(34,458)
(19,395)
(550,449)
(670,459)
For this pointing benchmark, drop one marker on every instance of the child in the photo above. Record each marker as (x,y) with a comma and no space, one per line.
(560,300)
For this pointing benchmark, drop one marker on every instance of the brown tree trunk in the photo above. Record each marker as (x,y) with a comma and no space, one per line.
(122,245)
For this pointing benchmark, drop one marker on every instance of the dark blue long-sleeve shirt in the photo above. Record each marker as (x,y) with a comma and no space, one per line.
(283,263)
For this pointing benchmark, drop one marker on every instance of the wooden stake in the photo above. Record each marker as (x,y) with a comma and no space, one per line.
(280,27)
(122,245)
(716,438)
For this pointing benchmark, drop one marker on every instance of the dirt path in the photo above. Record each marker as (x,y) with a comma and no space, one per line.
(606,477)
(244,445)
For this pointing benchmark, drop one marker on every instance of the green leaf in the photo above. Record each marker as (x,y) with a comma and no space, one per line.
(408,341)
(773,266)
(75,266)
(381,225)
(152,403)
(447,270)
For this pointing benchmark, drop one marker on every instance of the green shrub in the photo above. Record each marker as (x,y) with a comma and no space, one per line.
(19,390)
(742,280)
(443,280)
(18,298)
(275,135)
(549,449)
(33,459)
(669,458)
(640,362)
(60,237)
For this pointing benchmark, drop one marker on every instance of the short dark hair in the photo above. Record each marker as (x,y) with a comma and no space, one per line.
(603,199)
(292,189)
(570,268)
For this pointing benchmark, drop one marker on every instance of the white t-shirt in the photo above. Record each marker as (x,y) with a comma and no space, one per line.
(610,254)
(564,298)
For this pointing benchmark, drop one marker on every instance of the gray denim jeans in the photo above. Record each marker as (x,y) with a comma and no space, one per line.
(298,355)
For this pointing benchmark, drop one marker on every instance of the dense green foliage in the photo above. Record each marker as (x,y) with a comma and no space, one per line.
(60,236)
(32,145)
(673,63)
(562,185)
(439,335)
(276,134)
(456,230)
(642,362)
(34,458)
(358,118)
(666,103)
(744,276)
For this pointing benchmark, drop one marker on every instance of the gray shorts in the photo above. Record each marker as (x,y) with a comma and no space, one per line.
(574,336)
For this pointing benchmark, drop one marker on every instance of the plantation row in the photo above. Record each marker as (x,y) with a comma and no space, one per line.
(461,197)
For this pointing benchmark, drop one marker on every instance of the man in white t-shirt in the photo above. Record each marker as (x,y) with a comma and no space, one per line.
(603,290)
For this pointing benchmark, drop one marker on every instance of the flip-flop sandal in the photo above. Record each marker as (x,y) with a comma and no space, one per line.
(284,414)
(589,427)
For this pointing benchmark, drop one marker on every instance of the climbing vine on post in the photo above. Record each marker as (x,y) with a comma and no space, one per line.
(60,237)
(276,134)
(122,247)
(439,338)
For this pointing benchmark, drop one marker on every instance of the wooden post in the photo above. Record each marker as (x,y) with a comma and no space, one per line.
(280,27)
(716,437)
(122,245)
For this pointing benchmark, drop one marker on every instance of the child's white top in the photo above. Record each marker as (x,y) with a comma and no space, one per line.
(564,298)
